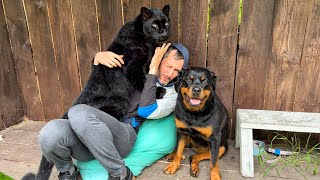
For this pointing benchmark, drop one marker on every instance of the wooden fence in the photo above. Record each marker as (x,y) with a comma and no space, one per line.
(47,47)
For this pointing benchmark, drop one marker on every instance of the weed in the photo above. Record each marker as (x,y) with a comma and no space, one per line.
(300,156)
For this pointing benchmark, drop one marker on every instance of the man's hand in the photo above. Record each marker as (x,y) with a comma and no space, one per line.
(157,57)
(109,59)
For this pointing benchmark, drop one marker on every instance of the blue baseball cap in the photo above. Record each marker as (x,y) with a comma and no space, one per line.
(184,51)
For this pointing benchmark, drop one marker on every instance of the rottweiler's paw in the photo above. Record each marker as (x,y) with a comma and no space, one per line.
(194,170)
(215,176)
(171,168)
(170,157)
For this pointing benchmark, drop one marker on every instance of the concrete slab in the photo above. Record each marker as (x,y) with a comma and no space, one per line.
(19,154)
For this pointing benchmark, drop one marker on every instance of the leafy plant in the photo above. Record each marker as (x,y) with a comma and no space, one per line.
(5,177)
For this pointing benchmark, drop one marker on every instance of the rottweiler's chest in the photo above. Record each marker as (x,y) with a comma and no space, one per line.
(204,131)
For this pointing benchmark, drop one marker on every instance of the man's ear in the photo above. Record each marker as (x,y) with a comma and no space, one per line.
(166,10)
(145,13)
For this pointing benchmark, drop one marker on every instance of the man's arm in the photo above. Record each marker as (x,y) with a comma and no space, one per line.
(109,59)
(149,106)
(152,108)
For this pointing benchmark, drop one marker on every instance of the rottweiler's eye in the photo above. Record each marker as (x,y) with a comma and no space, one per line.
(154,25)
(205,82)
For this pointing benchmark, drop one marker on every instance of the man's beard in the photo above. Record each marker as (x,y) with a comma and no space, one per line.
(164,77)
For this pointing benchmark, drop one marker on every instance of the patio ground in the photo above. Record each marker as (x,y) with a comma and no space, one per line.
(19,153)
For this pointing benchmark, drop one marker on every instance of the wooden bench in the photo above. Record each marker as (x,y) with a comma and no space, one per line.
(248,119)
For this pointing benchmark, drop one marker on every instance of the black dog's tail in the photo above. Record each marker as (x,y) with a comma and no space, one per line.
(44,171)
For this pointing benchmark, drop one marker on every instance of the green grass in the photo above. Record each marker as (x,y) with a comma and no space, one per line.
(4,177)
(240,13)
(304,159)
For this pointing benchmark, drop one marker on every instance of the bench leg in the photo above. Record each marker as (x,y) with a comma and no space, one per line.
(246,152)
(238,131)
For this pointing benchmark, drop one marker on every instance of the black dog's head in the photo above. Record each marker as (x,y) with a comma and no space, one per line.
(195,87)
(156,23)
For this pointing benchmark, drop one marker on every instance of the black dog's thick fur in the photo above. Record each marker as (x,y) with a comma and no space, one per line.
(201,118)
(110,89)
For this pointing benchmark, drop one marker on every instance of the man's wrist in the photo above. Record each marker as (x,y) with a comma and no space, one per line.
(153,72)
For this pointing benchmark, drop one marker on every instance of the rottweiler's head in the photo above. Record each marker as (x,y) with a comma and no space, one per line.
(195,87)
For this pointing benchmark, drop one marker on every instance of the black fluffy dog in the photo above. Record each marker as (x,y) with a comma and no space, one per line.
(201,121)
(110,89)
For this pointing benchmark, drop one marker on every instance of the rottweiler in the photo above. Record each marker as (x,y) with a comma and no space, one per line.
(201,121)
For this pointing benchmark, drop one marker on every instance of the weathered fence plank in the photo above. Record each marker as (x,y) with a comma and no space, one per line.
(193,29)
(65,50)
(288,34)
(222,50)
(22,56)
(131,8)
(11,107)
(174,16)
(307,97)
(43,54)
(110,21)
(254,53)
(87,36)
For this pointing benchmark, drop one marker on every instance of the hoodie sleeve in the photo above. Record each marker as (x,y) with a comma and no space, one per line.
(152,108)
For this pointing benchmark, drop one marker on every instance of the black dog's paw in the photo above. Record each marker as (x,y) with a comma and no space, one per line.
(161,91)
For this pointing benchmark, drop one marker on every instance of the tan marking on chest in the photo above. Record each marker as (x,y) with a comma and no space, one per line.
(206,131)
(180,124)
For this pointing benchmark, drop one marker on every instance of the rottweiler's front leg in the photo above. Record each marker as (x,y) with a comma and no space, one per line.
(214,157)
(175,164)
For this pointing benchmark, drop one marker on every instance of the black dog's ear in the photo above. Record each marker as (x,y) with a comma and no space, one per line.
(179,78)
(145,13)
(214,80)
(166,10)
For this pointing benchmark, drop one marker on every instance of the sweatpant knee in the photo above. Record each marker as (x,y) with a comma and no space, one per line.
(78,117)
(52,133)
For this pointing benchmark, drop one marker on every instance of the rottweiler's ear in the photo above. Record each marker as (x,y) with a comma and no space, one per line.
(166,10)
(179,78)
(214,80)
(145,13)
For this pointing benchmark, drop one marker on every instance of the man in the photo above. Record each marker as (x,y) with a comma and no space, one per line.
(93,134)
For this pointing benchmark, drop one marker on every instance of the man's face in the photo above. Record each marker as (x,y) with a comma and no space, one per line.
(169,68)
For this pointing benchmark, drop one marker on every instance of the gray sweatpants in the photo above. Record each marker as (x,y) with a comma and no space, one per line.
(88,134)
